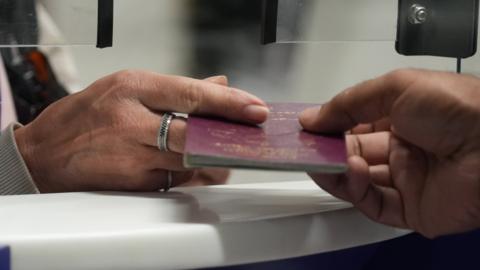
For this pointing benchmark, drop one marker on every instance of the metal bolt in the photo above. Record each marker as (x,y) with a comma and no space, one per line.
(418,14)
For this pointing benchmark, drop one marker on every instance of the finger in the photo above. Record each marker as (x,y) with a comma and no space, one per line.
(379,126)
(410,175)
(177,135)
(331,183)
(381,176)
(343,186)
(374,147)
(381,204)
(186,95)
(365,103)
(166,161)
(158,179)
(222,80)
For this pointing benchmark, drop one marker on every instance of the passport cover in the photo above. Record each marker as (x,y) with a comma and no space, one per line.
(278,144)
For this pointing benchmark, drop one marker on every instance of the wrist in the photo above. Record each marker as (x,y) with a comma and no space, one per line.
(27,150)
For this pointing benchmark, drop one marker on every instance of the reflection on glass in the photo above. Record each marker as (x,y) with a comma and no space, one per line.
(336,20)
(76,20)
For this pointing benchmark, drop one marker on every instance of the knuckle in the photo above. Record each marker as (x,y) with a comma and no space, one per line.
(125,74)
(400,74)
(192,97)
(229,101)
(356,145)
(401,79)
(231,97)
(113,87)
(125,80)
(105,106)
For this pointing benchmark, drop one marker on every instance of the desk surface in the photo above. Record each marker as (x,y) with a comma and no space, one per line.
(187,228)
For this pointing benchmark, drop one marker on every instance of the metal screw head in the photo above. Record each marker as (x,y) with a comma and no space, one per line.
(418,14)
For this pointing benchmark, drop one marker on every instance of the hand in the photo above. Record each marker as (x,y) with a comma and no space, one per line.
(104,138)
(414,152)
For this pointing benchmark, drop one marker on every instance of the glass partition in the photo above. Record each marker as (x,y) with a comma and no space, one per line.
(336,20)
(76,20)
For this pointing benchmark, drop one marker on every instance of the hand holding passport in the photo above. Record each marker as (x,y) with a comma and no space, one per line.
(278,144)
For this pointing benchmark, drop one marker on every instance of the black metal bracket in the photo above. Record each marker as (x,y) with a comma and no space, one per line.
(269,21)
(105,24)
(447,28)
(439,28)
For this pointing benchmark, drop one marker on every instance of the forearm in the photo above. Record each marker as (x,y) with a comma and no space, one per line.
(14,175)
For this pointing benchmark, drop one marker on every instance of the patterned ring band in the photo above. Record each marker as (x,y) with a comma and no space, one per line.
(163,132)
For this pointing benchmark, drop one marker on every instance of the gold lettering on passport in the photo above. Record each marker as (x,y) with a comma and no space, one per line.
(282,116)
(222,133)
(259,152)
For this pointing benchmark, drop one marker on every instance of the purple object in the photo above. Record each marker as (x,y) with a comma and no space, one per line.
(278,144)
(4,258)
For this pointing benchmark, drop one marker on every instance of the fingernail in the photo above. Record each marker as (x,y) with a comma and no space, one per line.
(218,79)
(308,115)
(256,113)
(310,112)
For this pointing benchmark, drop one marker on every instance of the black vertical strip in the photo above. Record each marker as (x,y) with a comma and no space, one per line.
(105,24)
(269,21)
(475,30)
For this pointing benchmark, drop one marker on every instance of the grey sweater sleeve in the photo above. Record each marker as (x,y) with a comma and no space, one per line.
(14,175)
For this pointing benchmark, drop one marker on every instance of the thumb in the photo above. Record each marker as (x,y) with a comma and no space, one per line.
(365,103)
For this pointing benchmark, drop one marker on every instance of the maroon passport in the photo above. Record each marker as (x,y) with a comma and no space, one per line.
(278,144)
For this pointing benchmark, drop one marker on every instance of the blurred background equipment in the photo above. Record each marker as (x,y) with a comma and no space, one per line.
(438,28)
(226,40)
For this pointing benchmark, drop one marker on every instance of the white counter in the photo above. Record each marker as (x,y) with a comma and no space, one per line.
(187,228)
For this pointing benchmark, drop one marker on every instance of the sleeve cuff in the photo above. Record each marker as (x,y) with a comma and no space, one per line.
(14,175)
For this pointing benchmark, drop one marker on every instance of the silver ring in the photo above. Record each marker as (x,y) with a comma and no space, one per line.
(163,132)
(169,181)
